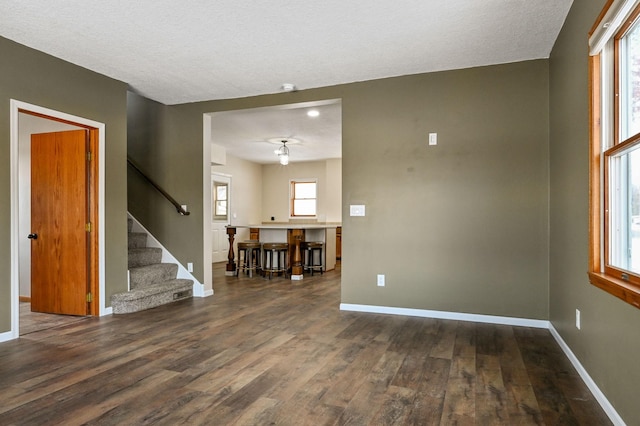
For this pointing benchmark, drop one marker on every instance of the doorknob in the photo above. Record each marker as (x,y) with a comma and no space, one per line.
(32,236)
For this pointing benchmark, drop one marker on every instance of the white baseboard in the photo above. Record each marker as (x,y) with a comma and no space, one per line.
(424,313)
(199,291)
(5,337)
(491,319)
(595,390)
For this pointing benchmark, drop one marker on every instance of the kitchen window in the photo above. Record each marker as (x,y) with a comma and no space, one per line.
(614,263)
(303,197)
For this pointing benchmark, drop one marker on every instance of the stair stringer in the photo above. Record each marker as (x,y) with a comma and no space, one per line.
(167,257)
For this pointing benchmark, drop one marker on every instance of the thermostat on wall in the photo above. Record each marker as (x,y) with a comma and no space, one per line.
(356,210)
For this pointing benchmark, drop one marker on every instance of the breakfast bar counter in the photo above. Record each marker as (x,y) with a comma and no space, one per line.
(293,234)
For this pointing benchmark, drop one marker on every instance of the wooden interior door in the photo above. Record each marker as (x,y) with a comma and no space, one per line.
(59,214)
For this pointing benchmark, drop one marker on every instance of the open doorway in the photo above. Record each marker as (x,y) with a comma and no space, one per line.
(26,120)
(243,143)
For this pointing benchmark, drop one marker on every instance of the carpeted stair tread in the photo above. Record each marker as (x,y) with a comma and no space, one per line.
(152,296)
(137,240)
(151,282)
(149,274)
(176,284)
(144,256)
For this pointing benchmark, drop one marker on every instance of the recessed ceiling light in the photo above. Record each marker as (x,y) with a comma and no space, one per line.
(288,87)
(313,113)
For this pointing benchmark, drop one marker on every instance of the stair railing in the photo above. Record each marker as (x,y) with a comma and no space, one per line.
(158,187)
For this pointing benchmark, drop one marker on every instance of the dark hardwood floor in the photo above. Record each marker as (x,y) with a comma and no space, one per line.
(278,352)
(35,321)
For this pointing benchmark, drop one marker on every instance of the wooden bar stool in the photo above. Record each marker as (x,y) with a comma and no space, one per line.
(249,257)
(309,250)
(275,257)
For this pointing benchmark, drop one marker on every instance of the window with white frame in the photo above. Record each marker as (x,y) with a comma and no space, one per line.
(220,201)
(303,198)
(615,151)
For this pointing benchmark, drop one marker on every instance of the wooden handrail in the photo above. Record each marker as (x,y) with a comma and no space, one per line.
(156,186)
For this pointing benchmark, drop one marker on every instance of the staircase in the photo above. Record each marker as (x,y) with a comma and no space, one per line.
(152,283)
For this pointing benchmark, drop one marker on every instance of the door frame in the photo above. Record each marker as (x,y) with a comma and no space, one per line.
(16,107)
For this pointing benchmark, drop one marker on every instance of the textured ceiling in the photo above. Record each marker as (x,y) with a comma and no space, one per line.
(246,133)
(177,52)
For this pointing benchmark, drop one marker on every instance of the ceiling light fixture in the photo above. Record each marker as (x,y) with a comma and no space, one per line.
(283,153)
(313,113)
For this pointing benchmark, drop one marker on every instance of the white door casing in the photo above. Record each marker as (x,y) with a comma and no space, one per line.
(15,108)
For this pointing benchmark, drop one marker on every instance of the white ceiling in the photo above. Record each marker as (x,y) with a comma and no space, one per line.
(246,133)
(184,51)
(177,52)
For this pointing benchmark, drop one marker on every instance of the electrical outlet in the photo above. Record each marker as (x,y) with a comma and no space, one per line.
(578,325)
(380,280)
(190,266)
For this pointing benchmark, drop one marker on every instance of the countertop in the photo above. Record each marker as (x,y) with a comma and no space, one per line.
(290,226)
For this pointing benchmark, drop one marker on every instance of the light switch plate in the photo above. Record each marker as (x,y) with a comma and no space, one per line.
(356,210)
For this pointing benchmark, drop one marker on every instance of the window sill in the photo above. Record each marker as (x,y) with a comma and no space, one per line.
(624,290)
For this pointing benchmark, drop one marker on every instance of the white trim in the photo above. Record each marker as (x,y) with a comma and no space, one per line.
(14,332)
(4,337)
(610,24)
(14,107)
(207,235)
(489,319)
(595,390)
(167,257)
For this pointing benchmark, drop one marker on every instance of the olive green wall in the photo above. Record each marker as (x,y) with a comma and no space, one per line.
(462,226)
(167,146)
(33,77)
(608,344)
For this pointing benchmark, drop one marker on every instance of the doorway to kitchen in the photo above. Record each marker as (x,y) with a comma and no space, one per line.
(245,143)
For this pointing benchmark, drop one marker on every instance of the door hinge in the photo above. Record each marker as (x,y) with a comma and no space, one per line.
(89,156)
(87,227)
(89,298)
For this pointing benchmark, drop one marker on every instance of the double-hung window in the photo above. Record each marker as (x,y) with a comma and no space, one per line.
(303,197)
(615,151)
(220,201)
